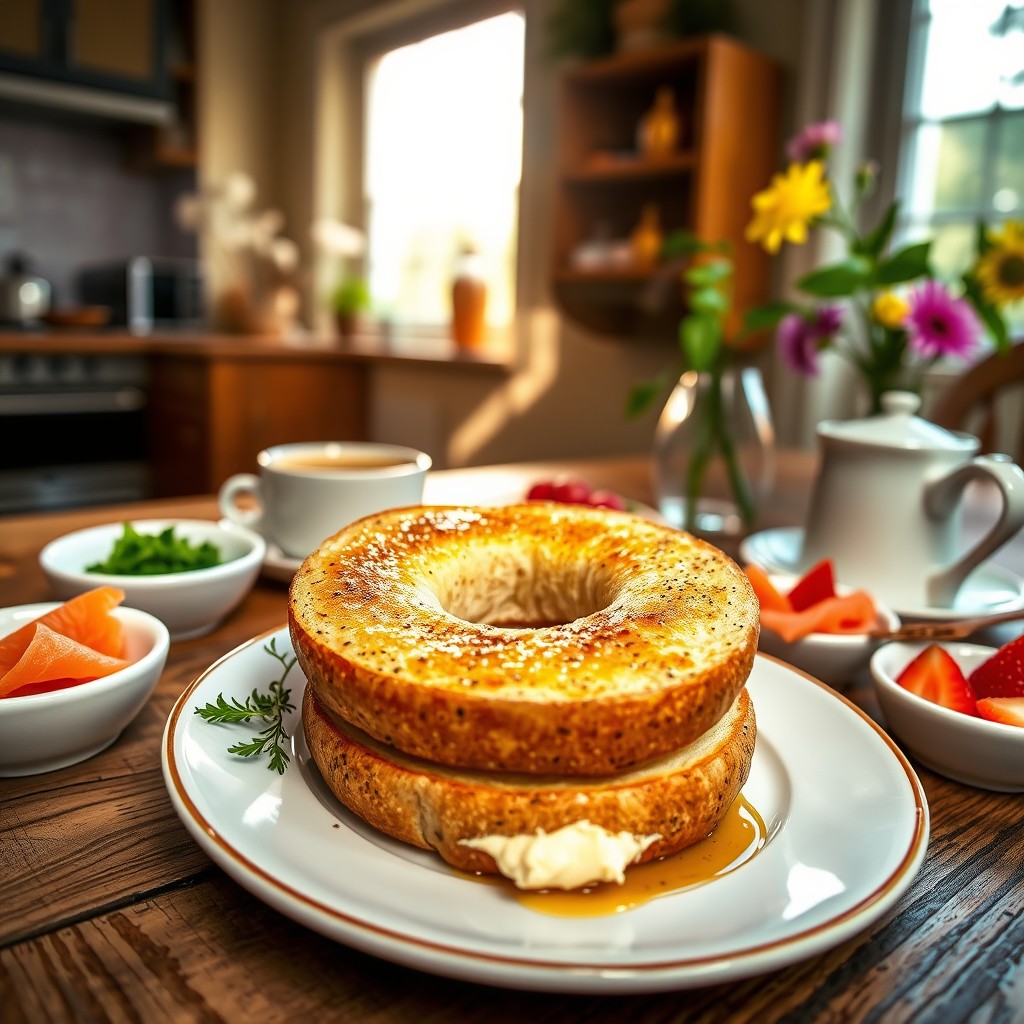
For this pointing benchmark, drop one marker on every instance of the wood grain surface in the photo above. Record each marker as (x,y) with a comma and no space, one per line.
(110,912)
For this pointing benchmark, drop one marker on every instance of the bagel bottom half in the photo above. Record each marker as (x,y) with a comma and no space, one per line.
(680,797)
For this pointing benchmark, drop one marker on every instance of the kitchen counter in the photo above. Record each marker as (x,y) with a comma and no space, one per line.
(214,401)
(432,352)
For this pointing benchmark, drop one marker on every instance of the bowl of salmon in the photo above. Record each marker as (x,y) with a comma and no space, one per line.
(818,625)
(73,675)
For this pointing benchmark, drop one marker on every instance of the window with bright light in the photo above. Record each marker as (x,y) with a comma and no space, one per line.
(962,143)
(443,159)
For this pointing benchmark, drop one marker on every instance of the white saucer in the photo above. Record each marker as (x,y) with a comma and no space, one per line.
(279,566)
(989,589)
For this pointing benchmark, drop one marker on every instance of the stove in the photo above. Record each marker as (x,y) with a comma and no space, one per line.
(74,430)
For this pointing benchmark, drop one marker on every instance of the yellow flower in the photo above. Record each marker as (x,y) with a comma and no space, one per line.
(889,309)
(1001,269)
(783,211)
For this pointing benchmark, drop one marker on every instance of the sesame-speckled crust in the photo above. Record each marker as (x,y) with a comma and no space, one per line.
(401,622)
(681,797)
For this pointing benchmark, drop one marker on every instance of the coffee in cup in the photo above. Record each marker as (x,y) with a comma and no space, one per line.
(308,490)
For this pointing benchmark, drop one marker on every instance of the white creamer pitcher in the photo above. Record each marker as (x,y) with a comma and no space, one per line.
(886,505)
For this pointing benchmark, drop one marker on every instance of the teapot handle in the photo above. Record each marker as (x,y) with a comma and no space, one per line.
(939,501)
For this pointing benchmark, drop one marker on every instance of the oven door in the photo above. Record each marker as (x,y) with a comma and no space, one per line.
(72,439)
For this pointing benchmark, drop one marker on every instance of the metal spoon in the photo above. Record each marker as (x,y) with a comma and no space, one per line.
(955,630)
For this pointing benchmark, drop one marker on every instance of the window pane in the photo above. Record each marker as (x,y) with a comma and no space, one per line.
(959,168)
(1009,193)
(444,155)
(968,66)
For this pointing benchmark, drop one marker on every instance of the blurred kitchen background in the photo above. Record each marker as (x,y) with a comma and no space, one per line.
(230,223)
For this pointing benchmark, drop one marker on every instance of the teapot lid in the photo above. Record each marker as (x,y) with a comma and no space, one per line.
(898,426)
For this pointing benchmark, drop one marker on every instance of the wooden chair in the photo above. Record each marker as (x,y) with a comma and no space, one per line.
(969,402)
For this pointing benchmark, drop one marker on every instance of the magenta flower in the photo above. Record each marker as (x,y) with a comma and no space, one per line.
(939,324)
(814,142)
(800,339)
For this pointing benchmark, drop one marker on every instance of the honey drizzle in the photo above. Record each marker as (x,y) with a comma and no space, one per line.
(738,838)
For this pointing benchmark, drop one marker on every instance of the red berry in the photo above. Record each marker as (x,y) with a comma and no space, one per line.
(817,584)
(935,676)
(607,499)
(543,490)
(1008,710)
(572,492)
(1002,675)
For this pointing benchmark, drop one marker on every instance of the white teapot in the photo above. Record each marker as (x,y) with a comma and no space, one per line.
(886,505)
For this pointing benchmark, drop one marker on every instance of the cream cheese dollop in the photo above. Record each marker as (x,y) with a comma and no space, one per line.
(568,858)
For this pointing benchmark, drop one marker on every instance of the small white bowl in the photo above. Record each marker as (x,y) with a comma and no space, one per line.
(986,754)
(834,658)
(190,603)
(41,732)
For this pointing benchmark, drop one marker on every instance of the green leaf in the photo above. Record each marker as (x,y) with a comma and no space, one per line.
(708,273)
(907,265)
(143,554)
(990,315)
(875,241)
(837,279)
(679,244)
(701,337)
(644,393)
(981,239)
(708,300)
(765,318)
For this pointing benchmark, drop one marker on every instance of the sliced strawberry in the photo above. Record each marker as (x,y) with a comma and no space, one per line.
(1008,710)
(1002,675)
(542,490)
(817,584)
(934,675)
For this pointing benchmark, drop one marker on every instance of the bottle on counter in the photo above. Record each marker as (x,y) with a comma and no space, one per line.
(469,300)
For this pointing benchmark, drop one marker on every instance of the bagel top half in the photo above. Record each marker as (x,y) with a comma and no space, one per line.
(532,638)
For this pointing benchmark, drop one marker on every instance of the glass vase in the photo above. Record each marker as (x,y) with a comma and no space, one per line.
(714,449)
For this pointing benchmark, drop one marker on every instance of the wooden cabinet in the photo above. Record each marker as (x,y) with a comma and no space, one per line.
(211,413)
(728,99)
(114,46)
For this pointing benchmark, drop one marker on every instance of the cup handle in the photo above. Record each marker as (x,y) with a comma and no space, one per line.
(240,483)
(941,498)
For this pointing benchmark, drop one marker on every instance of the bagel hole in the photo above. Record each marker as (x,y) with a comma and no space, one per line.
(516,589)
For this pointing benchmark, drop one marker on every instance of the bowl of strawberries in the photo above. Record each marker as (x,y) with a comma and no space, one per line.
(957,707)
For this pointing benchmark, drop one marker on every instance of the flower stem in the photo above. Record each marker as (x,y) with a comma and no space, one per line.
(713,431)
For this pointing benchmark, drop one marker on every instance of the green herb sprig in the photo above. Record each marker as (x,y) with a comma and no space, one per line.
(270,707)
(152,554)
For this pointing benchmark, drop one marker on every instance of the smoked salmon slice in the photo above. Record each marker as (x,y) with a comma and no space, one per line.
(85,618)
(827,612)
(852,613)
(50,655)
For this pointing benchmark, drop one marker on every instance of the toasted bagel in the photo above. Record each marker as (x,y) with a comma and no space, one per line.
(680,798)
(405,624)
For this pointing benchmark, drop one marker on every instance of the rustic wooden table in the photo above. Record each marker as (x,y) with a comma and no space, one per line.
(110,911)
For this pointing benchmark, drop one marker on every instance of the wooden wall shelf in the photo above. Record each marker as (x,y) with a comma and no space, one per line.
(728,98)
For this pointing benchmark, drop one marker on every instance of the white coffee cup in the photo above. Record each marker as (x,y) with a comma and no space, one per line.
(307,491)
(886,505)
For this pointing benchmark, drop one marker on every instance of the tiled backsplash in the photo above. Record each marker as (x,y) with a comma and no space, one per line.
(67,198)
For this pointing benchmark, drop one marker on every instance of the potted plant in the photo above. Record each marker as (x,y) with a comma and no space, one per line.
(349,300)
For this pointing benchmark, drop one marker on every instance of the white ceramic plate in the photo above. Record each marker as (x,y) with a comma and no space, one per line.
(989,589)
(839,854)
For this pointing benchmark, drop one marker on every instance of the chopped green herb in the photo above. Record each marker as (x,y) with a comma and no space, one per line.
(151,554)
(271,707)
